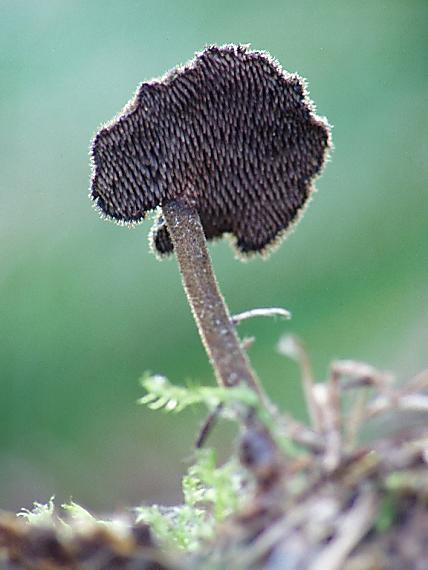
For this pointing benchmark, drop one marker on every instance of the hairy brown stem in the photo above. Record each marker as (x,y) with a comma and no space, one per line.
(230,363)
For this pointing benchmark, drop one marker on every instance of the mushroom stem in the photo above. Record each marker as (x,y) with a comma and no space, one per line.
(217,331)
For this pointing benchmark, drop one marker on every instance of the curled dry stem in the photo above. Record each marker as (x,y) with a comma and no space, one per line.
(261,312)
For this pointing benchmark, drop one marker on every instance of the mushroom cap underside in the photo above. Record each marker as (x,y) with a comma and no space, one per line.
(230,133)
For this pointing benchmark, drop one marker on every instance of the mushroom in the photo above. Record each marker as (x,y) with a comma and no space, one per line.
(228,144)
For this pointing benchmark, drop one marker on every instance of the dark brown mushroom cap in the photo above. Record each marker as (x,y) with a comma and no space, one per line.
(230,133)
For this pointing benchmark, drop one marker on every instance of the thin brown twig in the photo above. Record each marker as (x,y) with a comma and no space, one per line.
(293,348)
(208,426)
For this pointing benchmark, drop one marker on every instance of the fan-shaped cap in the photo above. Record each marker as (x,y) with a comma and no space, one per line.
(231,134)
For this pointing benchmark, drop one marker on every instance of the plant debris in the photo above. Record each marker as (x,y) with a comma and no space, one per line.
(337,498)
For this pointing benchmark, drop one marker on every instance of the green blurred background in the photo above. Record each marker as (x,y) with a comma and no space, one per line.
(86,309)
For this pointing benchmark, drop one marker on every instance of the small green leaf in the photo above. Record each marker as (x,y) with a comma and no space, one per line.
(40,515)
